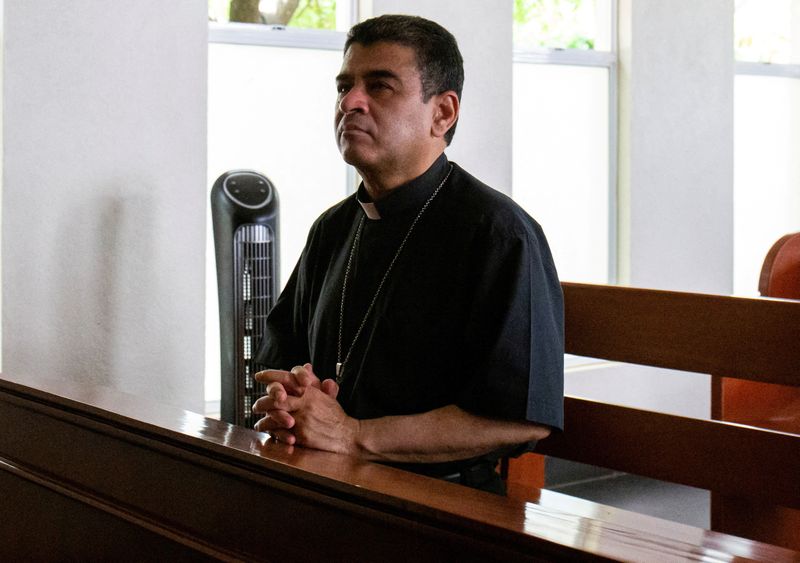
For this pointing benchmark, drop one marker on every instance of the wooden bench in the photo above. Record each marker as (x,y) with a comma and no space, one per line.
(92,474)
(746,339)
(765,405)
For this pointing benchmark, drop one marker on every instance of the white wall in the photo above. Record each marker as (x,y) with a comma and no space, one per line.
(676,179)
(677,92)
(2,151)
(104,191)
(482,143)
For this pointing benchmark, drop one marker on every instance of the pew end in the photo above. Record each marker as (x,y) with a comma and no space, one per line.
(764,405)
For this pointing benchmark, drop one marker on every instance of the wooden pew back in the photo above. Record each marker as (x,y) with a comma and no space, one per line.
(765,405)
(749,339)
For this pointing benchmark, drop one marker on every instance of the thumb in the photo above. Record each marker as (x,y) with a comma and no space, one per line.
(330,388)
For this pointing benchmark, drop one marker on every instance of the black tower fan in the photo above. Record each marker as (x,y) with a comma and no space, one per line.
(244,211)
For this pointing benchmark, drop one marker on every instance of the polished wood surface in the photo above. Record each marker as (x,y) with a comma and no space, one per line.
(752,339)
(707,454)
(764,405)
(93,473)
(713,334)
(780,273)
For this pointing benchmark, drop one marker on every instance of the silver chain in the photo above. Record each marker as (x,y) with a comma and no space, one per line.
(340,362)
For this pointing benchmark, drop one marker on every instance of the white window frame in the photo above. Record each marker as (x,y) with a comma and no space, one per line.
(769,70)
(780,70)
(275,36)
(290,37)
(595,59)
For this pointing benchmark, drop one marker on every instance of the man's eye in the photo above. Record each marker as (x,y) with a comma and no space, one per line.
(342,88)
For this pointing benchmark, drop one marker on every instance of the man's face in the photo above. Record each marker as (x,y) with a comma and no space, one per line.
(382,124)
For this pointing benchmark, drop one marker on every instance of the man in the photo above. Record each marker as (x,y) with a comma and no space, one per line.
(424,318)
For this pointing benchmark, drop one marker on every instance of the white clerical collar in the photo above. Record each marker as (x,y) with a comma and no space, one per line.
(407,198)
(369,207)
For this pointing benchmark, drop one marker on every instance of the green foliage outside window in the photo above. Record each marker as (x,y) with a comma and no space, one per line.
(564,24)
(557,24)
(309,14)
(763,31)
(319,14)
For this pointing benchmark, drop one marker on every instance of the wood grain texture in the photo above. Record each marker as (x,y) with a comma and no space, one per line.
(764,405)
(713,334)
(745,467)
(166,483)
(729,458)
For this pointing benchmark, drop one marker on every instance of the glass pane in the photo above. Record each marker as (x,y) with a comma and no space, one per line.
(308,14)
(767,31)
(561,155)
(562,24)
(265,115)
(766,171)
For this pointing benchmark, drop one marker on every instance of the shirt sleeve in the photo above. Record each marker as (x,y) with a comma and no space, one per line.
(514,367)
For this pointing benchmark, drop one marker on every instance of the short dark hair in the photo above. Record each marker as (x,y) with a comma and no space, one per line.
(439,61)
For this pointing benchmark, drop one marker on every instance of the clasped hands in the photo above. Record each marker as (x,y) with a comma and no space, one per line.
(299,409)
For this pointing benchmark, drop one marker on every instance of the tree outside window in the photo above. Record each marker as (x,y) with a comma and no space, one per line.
(313,14)
(555,24)
(764,31)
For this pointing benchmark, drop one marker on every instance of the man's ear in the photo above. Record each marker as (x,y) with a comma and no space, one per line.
(445,114)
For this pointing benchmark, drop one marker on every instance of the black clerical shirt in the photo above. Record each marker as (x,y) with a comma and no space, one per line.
(471,313)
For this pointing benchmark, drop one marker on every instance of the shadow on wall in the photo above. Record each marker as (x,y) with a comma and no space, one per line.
(105,280)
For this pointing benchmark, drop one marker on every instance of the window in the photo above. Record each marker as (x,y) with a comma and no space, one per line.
(765,31)
(306,14)
(766,132)
(564,133)
(265,113)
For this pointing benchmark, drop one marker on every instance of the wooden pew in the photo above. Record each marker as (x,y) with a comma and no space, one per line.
(88,474)
(747,339)
(765,405)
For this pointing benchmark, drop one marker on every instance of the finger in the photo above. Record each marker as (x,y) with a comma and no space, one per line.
(304,377)
(275,396)
(277,420)
(259,406)
(270,403)
(270,375)
(330,388)
(270,423)
(283,377)
(283,436)
(276,391)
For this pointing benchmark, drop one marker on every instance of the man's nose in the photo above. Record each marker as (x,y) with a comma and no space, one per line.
(355,99)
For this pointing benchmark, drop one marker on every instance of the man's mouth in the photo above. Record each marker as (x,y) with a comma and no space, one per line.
(352,129)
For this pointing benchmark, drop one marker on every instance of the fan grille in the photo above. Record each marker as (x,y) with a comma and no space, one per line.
(254,295)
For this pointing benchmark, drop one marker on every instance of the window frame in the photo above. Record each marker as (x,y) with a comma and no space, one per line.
(595,59)
(258,35)
(779,70)
(765,70)
(275,36)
